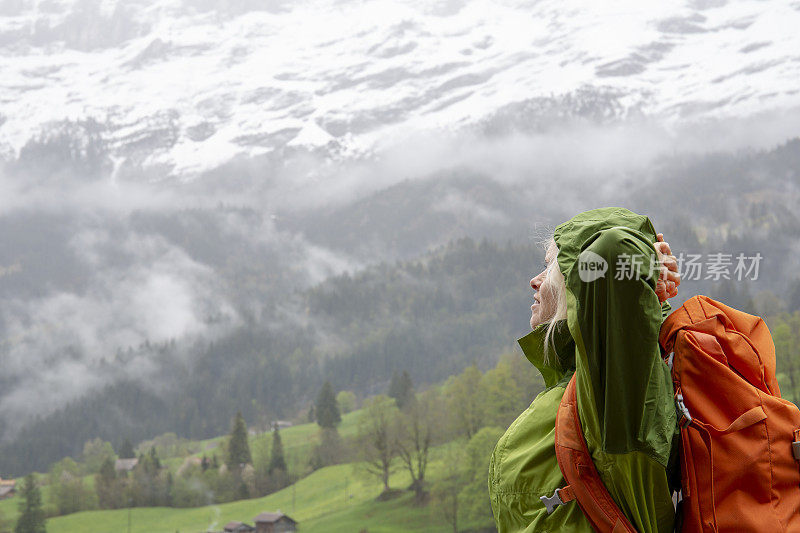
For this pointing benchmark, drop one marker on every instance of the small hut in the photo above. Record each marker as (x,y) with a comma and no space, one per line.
(238,527)
(7,488)
(125,465)
(274,523)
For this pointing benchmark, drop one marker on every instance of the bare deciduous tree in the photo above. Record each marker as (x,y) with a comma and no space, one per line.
(416,428)
(376,441)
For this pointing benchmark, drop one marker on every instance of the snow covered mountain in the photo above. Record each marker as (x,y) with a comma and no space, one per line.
(174,88)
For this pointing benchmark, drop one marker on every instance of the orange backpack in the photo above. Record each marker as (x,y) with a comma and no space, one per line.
(740,441)
(739,438)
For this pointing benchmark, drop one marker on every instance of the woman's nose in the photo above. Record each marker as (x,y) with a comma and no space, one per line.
(535,283)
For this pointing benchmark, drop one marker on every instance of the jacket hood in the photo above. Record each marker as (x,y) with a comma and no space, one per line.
(572,234)
(570,238)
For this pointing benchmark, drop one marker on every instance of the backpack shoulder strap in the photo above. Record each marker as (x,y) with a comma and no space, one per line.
(584,483)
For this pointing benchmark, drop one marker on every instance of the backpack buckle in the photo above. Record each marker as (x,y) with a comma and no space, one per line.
(551,502)
(684,418)
(670,359)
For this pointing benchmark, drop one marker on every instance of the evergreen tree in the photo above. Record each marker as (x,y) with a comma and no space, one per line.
(394,386)
(276,461)
(126,450)
(242,492)
(31,515)
(327,411)
(330,449)
(107,471)
(238,447)
(105,484)
(150,462)
(401,389)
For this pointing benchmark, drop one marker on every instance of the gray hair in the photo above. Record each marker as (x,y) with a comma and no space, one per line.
(555,290)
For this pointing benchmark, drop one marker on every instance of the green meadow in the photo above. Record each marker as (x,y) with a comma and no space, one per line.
(333,499)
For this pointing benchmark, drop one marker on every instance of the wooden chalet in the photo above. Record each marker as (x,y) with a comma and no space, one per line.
(8,488)
(274,523)
(238,527)
(125,465)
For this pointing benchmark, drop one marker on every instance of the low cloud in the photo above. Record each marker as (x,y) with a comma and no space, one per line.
(143,283)
(57,346)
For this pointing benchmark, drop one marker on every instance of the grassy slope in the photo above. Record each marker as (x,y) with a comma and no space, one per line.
(332,499)
(297,444)
(336,498)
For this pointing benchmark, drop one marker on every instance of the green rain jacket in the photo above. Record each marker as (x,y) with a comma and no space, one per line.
(624,389)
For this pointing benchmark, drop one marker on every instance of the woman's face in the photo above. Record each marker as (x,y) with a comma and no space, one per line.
(543,302)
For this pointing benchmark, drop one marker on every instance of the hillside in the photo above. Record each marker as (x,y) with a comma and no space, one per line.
(341,496)
(214,208)
(298,442)
(432,314)
(357,332)
(333,499)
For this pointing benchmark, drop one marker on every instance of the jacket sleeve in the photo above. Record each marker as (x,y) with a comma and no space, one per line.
(666,309)
(619,317)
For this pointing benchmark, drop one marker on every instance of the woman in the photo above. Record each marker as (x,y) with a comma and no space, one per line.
(598,309)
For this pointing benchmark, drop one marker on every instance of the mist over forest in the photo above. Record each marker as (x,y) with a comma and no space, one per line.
(100,301)
(159,273)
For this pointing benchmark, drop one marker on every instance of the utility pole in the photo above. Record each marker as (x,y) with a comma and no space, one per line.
(130,507)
